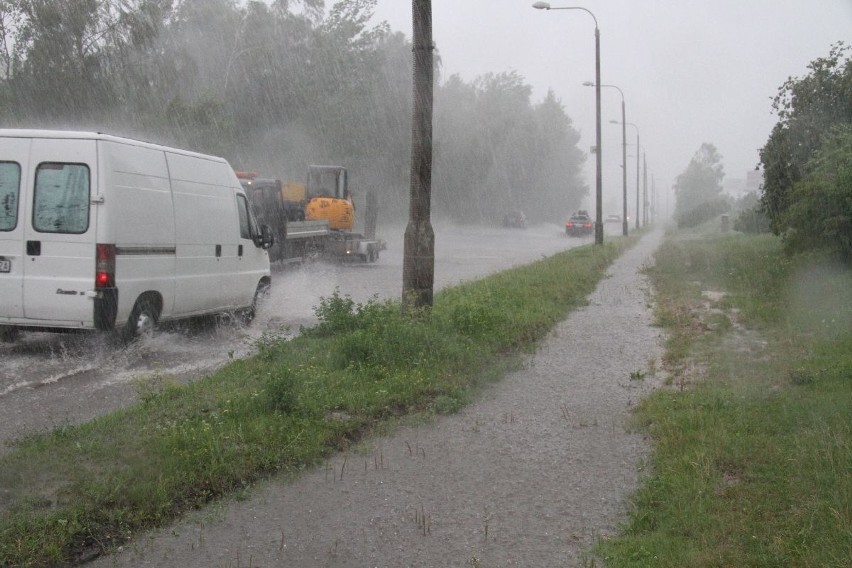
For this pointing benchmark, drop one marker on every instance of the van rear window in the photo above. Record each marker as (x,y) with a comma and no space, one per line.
(10,190)
(61,200)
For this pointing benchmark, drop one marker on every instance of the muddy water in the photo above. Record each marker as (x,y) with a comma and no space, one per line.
(530,475)
(49,380)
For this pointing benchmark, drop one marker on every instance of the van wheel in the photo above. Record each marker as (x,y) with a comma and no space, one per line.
(142,320)
(247,315)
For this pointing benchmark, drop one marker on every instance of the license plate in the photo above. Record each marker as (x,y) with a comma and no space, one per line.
(5,265)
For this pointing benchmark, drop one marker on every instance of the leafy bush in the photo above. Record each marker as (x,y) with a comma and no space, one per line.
(703,212)
(280,391)
(820,215)
(750,216)
(753,220)
(340,314)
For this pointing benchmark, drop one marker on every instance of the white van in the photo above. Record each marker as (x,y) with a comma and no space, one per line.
(101,232)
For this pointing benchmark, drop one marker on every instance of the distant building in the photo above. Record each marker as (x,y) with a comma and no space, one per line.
(738,187)
(754,180)
(735,187)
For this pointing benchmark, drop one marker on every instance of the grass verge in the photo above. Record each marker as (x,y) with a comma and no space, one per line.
(753,439)
(84,489)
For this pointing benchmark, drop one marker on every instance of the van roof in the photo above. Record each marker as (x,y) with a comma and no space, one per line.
(85,135)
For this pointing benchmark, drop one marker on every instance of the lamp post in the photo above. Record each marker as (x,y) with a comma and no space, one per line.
(599,170)
(653,211)
(637,171)
(623,157)
(645,189)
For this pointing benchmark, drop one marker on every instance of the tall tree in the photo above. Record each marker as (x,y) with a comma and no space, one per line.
(556,162)
(496,152)
(701,181)
(60,60)
(10,22)
(808,108)
(276,85)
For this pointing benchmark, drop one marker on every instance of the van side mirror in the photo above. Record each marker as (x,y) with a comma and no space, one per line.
(267,239)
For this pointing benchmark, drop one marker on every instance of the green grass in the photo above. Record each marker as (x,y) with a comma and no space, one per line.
(88,488)
(753,439)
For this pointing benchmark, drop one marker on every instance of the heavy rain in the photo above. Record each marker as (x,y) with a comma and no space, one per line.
(684,119)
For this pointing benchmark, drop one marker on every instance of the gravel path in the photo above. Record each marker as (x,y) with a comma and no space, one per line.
(530,475)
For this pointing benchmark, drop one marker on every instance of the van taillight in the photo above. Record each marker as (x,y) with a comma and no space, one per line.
(104,266)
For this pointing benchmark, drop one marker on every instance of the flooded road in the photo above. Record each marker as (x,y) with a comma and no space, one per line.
(532,473)
(50,380)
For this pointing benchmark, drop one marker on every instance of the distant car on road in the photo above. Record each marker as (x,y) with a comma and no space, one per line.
(515,220)
(579,225)
(613,218)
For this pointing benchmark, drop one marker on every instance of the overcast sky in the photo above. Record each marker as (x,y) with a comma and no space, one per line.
(691,71)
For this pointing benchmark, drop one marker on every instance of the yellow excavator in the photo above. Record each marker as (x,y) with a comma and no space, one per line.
(328,197)
(313,219)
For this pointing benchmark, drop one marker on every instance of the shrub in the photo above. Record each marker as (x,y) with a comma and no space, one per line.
(341,314)
(752,221)
(703,212)
(820,215)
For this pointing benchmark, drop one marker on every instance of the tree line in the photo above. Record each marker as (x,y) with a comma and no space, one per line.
(806,195)
(807,160)
(275,86)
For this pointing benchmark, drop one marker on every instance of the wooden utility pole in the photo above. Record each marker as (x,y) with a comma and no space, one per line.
(418,263)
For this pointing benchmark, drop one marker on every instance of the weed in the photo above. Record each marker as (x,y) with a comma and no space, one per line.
(652,366)
(268,342)
(802,376)
(422,520)
(280,391)
(149,388)
(638,375)
(447,404)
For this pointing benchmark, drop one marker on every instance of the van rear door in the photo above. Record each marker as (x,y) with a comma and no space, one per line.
(59,232)
(13,159)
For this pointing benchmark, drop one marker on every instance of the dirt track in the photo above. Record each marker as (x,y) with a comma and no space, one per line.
(530,475)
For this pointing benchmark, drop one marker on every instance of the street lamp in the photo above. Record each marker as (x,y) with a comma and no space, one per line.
(599,169)
(637,167)
(644,189)
(623,157)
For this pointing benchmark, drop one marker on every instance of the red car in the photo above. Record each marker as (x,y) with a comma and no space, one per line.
(579,226)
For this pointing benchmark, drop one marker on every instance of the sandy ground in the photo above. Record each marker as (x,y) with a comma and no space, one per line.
(530,475)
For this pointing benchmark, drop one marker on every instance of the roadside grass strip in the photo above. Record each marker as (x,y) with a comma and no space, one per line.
(752,461)
(85,489)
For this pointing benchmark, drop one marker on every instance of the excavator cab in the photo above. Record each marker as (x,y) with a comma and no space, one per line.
(329,198)
(327,181)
